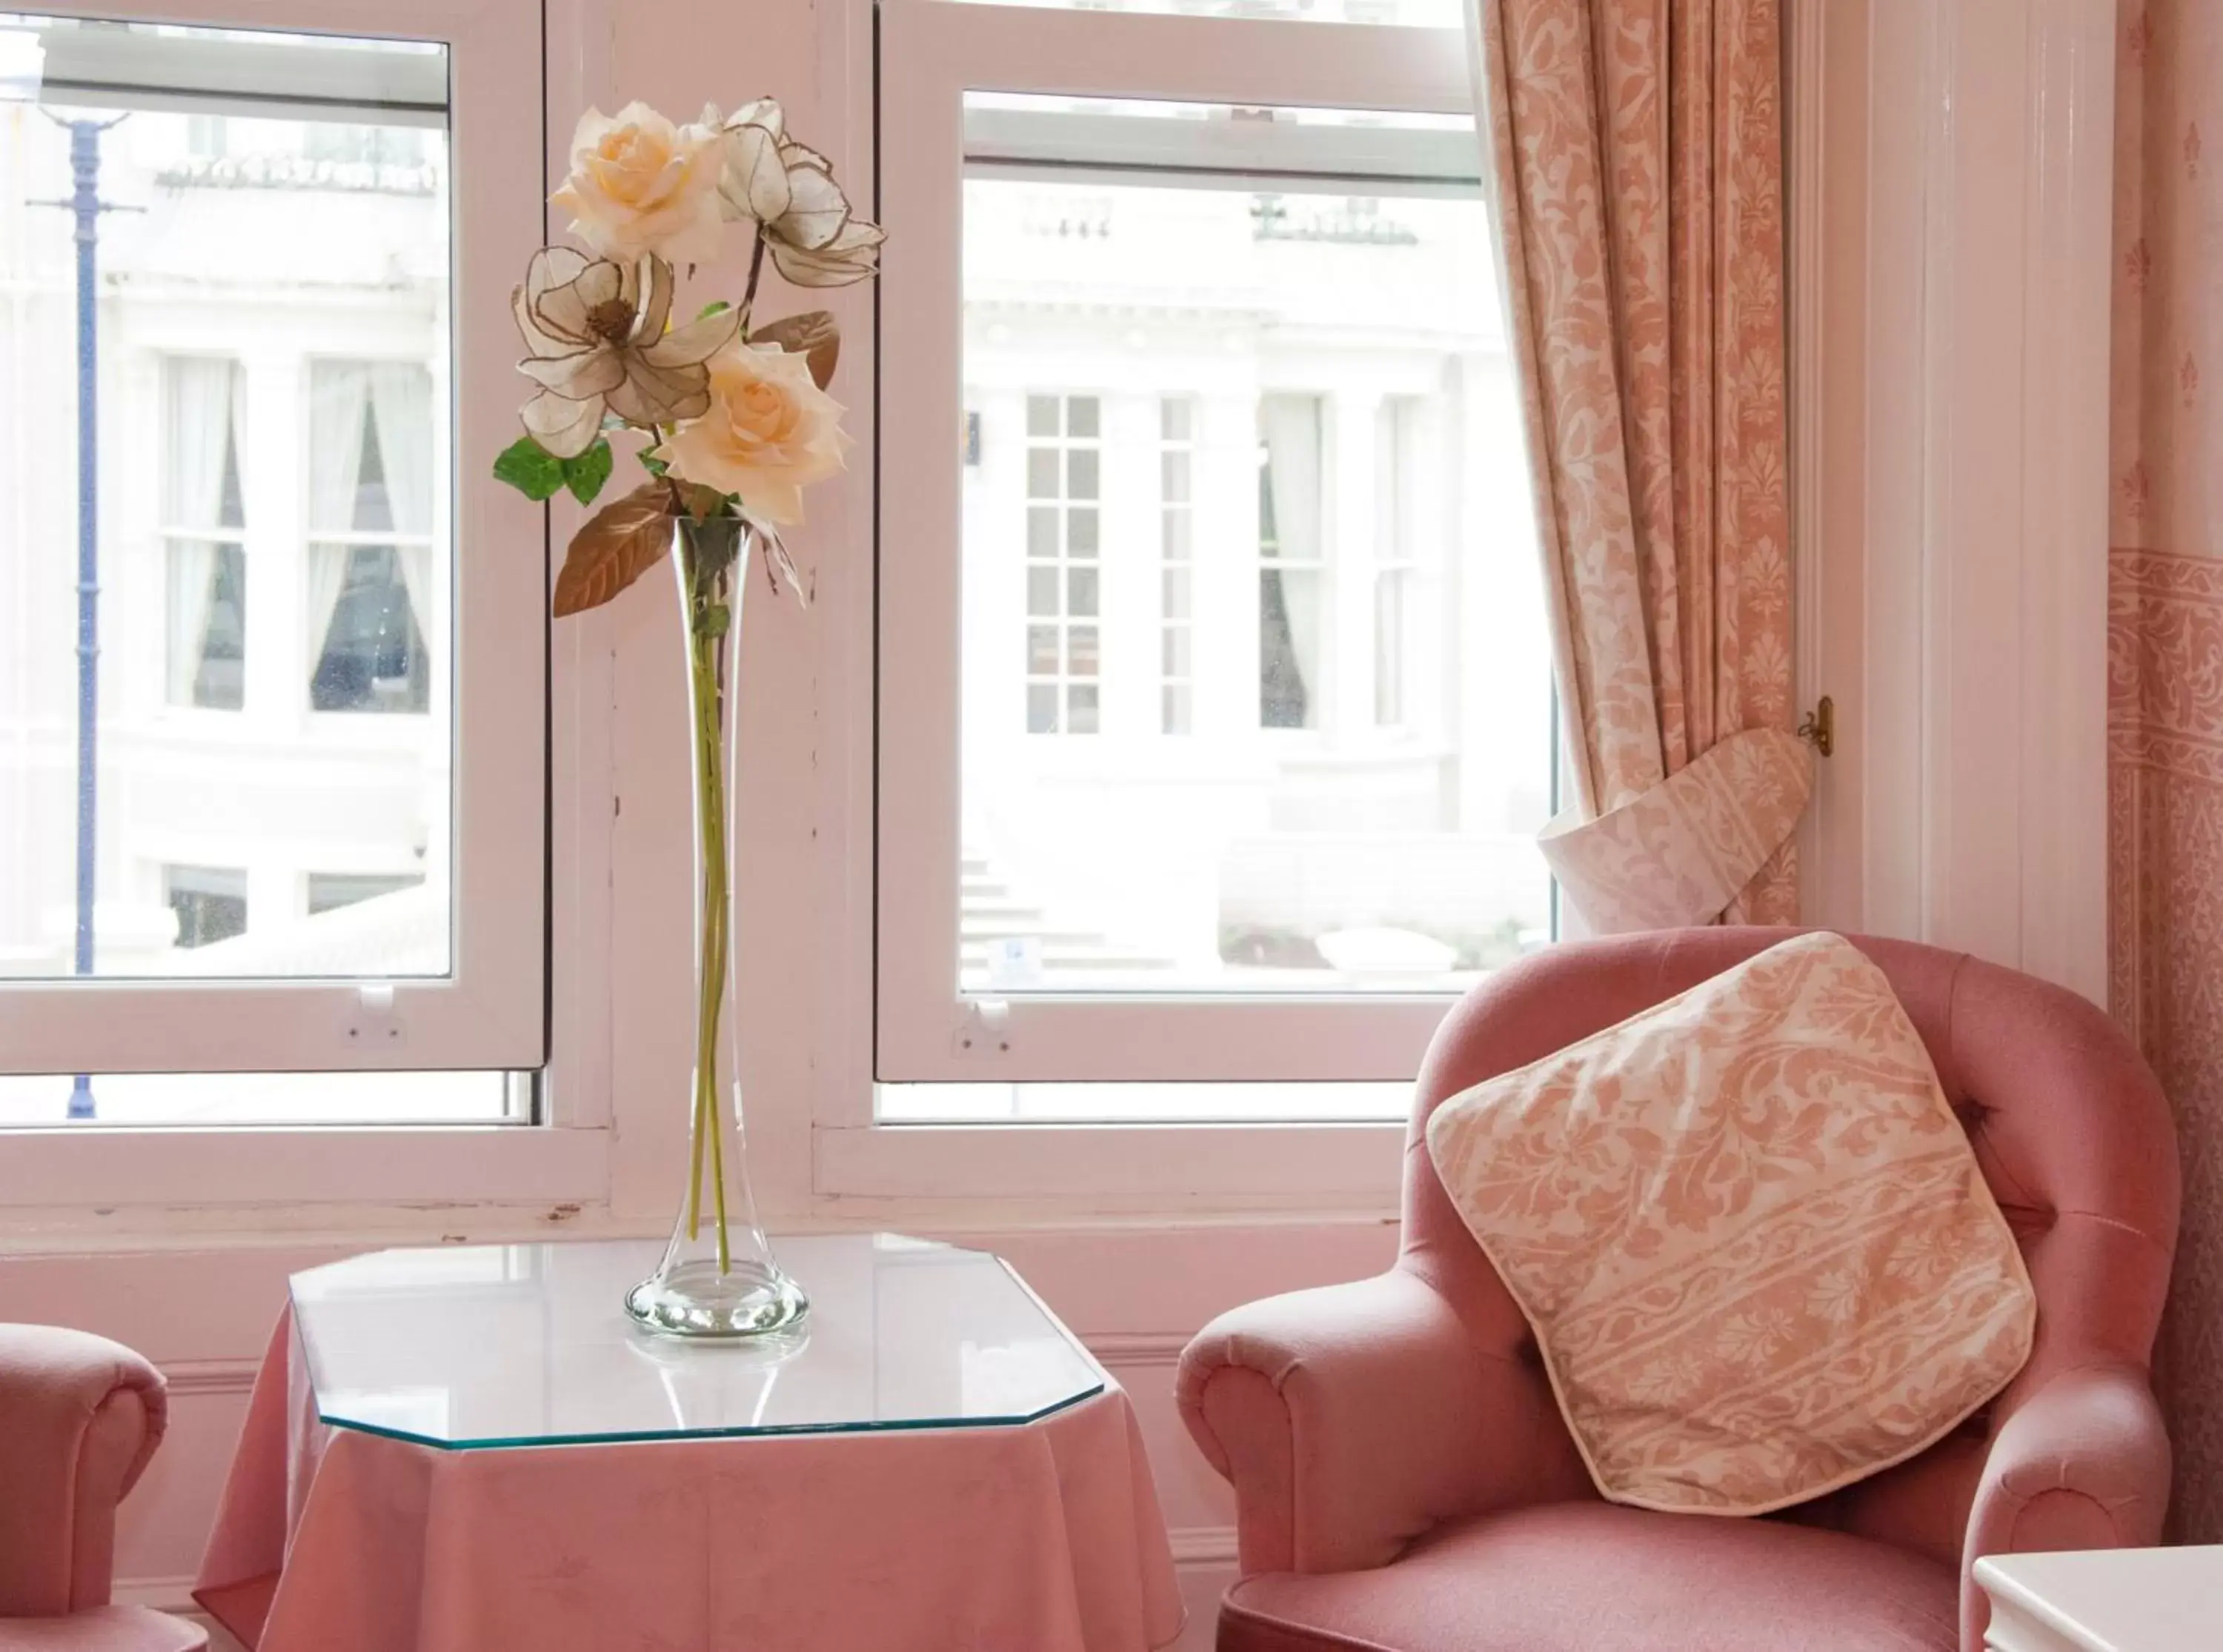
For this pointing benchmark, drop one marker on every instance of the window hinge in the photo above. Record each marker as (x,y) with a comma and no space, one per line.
(1819,730)
(986,1029)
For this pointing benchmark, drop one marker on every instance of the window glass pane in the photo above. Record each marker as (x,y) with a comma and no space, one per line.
(1041,592)
(1042,708)
(1174,708)
(270,465)
(1041,532)
(1041,650)
(1174,593)
(1173,478)
(1080,526)
(1081,591)
(234,1098)
(1082,413)
(1041,415)
(1081,651)
(1354,804)
(1041,474)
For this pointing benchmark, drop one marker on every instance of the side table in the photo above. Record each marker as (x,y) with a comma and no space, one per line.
(2105,1601)
(471,1447)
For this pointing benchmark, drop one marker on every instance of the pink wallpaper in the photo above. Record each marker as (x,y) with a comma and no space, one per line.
(2165,663)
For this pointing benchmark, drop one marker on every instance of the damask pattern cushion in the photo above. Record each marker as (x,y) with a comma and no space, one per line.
(1758,1255)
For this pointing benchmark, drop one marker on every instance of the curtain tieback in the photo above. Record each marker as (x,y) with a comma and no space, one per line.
(1678,854)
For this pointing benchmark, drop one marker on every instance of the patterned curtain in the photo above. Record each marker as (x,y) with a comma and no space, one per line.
(1637,152)
(2165,670)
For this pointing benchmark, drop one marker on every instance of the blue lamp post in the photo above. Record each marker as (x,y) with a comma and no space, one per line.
(87,206)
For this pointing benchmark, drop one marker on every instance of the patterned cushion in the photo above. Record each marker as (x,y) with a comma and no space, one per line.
(1757,1252)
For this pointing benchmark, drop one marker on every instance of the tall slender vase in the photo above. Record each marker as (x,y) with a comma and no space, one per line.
(718,1278)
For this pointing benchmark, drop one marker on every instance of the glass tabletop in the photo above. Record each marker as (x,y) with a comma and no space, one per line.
(482,1346)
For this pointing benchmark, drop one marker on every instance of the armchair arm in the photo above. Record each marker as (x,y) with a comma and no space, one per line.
(79,1417)
(2081,1461)
(1351,1419)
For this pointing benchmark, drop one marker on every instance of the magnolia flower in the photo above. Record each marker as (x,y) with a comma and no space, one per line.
(595,333)
(639,185)
(769,432)
(788,188)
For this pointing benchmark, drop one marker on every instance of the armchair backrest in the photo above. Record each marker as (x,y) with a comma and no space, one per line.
(79,1417)
(2069,1124)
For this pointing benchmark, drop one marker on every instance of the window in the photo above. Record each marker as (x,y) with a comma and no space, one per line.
(206,649)
(209,902)
(1176,578)
(1292,575)
(1255,240)
(370,511)
(328,891)
(272,772)
(1064,612)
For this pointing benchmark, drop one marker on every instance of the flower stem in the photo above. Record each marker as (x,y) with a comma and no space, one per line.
(756,273)
(705,656)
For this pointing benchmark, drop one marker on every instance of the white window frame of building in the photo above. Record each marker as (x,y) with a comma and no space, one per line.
(490,1013)
(928,1030)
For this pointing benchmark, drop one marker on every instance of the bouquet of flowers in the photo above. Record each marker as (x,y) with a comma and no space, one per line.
(736,423)
(735,411)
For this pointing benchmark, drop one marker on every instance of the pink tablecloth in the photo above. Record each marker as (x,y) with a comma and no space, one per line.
(1045,1538)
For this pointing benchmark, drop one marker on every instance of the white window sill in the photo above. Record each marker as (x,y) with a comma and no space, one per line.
(1354,1166)
(104,1176)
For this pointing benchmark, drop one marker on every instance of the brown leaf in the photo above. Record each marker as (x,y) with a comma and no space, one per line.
(811,333)
(620,543)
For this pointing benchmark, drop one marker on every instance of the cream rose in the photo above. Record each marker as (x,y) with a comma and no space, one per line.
(641,185)
(771,432)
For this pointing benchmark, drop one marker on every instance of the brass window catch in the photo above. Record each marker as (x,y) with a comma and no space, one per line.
(1819,730)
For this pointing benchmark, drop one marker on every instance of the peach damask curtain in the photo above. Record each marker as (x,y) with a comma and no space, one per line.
(1637,149)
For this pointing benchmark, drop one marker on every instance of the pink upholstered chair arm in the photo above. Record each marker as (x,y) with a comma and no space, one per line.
(2081,1461)
(1351,1419)
(79,1417)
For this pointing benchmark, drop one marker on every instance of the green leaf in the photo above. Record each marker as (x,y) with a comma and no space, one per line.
(585,475)
(717,620)
(651,463)
(530,468)
(716,307)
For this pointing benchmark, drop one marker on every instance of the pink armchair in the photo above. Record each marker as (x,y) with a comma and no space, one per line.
(1403,1481)
(79,1417)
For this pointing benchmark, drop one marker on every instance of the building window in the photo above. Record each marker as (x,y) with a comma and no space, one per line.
(204,520)
(328,891)
(370,508)
(209,902)
(1292,568)
(1065,458)
(1177,572)
(1245,267)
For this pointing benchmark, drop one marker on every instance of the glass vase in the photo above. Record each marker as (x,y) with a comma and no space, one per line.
(718,1278)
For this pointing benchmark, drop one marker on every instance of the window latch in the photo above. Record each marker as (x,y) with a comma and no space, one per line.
(375,1024)
(1819,730)
(986,1029)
